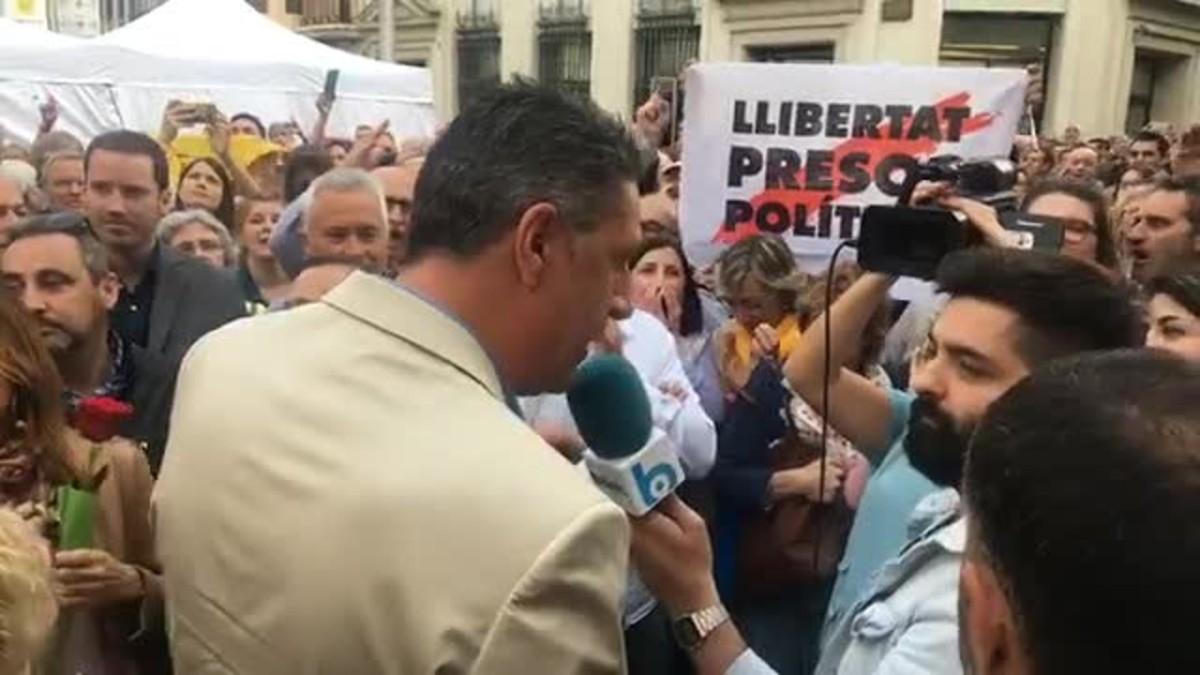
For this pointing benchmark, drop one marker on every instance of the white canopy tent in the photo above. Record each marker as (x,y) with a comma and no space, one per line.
(17,34)
(219,51)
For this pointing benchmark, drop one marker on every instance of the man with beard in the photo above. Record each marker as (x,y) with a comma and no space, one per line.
(894,606)
(1007,312)
(60,272)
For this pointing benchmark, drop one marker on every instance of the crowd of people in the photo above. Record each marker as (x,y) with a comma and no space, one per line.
(295,400)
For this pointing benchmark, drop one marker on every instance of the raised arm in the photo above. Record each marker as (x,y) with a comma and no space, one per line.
(218,133)
(324,107)
(859,409)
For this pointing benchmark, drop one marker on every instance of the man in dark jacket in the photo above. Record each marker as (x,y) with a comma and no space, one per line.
(165,301)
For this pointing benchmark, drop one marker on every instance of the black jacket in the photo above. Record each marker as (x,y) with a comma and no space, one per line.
(151,396)
(191,298)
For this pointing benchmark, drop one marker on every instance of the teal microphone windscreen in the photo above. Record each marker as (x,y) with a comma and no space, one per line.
(609,404)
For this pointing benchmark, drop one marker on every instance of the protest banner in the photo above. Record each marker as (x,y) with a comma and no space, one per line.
(801,149)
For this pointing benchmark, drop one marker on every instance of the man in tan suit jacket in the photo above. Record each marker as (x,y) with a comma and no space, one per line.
(347,489)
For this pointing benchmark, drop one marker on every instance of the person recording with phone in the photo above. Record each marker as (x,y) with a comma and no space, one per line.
(1008,312)
(179,115)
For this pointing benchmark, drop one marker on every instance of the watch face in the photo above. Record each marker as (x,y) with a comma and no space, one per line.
(686,632)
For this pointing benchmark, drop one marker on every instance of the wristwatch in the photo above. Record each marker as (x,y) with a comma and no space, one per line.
(691,629)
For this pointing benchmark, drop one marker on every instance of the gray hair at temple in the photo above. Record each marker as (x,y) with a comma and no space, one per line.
(170,225)
(342,180)
(74,225)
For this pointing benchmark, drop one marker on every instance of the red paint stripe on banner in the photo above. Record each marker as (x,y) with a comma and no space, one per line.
(877,149)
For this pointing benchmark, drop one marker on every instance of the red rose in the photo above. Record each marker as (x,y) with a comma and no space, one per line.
(99,418)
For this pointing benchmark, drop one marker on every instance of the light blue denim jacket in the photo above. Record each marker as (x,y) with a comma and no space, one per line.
(907,621)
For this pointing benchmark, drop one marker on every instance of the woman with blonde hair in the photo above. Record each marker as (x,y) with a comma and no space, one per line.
(757,280)
(768,480)
(27,605)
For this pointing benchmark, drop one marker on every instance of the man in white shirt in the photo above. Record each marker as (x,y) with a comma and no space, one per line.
(674,404)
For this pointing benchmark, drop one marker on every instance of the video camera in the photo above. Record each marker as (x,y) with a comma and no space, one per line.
(912,240)
(990,181)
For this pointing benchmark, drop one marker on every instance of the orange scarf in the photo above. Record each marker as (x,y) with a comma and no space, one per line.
(743,341)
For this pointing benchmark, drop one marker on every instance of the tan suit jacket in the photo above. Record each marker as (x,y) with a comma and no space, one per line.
(346,492)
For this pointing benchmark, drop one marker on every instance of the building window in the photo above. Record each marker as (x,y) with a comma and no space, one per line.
(1141,94)
(1001,41)
(140,7)
(326,12)
(810,53)
(478,51)
(565,46)
(117,13)
(666,39)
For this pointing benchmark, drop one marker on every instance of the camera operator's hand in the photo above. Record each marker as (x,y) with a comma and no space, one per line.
(927,193)
(982,217)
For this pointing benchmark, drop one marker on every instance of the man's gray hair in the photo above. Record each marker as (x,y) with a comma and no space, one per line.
(170,225)
(342,180)
(95,255)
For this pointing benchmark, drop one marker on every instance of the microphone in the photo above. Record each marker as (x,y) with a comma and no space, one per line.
(629,460)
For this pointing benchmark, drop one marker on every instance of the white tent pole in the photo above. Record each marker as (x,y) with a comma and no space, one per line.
(387,30)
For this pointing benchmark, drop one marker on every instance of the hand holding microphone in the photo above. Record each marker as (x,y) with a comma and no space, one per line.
(635,465)
(672,553)
(674,558)
(630,461)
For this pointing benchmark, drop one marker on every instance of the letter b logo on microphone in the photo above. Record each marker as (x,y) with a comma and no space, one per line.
(655,483)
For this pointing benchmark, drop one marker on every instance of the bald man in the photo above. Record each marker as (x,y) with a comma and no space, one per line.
(398,185)
(1081,164)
